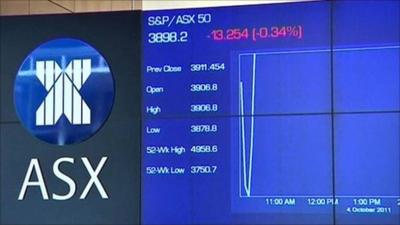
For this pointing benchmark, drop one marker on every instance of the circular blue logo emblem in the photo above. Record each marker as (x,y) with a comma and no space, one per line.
(64,91)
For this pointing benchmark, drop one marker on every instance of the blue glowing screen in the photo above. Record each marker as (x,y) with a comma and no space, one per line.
(64,91)
(272,114)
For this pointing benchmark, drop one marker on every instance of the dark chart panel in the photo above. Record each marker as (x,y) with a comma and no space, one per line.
(272,114)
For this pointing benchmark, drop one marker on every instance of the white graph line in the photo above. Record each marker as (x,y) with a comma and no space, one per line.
(247,174)
(243,141)
(248,171)
(240,152)
(322,50)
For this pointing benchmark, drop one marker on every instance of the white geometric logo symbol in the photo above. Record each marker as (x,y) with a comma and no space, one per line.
(63,97)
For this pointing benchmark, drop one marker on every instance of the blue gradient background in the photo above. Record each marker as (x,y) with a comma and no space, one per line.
(330,120)
(97,91)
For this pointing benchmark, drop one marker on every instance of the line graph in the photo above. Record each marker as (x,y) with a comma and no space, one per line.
(268,162)
(247,174)
(274,149)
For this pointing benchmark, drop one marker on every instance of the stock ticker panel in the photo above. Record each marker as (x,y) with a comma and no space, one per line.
(272,114)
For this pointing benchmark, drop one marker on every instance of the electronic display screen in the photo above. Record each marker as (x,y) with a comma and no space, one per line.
(56,167)
(272,114)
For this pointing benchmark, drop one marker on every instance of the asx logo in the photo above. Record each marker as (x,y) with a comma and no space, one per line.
(63,94)
(64,91)
(35,168)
